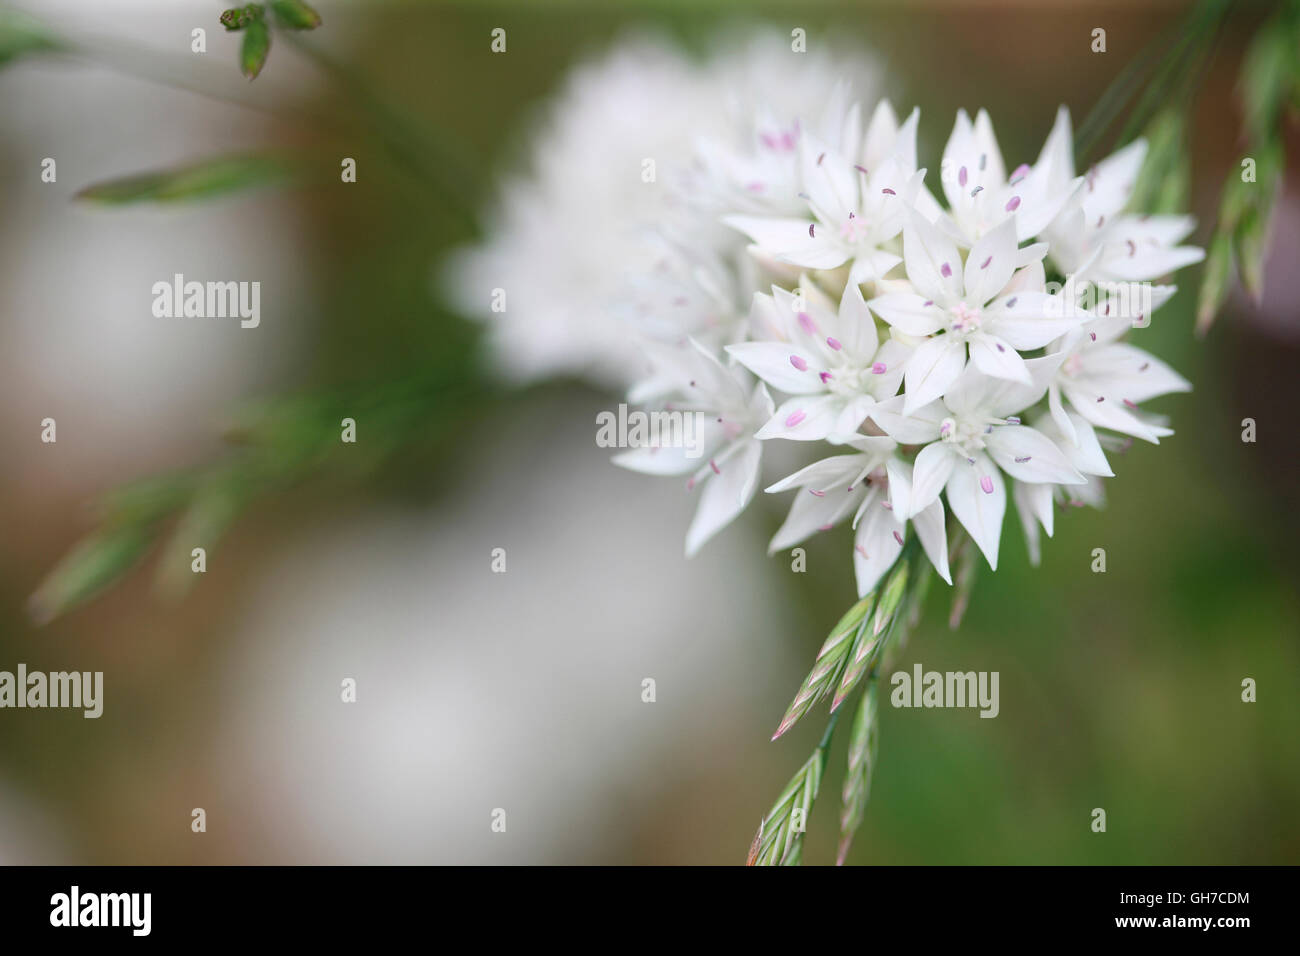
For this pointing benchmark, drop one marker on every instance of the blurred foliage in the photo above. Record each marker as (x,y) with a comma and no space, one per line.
(20,35)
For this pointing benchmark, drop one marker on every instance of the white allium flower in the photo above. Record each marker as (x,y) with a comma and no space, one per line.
(783,245)
(975,306)
(1034,500)
(1104,379)
(872,486)
(570,231)
(980,194)
(1093,237)
(726,461)
(830,360)
(970,438)
(853,211)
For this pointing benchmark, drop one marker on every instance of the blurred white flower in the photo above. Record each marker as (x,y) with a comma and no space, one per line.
(573,238)
(1093,237)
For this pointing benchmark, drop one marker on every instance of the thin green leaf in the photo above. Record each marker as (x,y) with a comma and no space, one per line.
(96,562)
(204,180)
(780,837)
(863,743)
(1216,281)
(829,664)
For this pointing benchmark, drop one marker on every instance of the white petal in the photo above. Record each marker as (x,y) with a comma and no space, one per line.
(979,512)
(917,428)
(934,464)
(790,240)
(991,263)
(806,418)
(725,495)
(900,485)
(1028,499)
(822,474)
(770,361)
(1112,414)
(853,325)
(812,513)
(908,313)
(930,528)
(926,253)
(1027,454)
(997,358)
(933,367)
(875,547)
(1059,416)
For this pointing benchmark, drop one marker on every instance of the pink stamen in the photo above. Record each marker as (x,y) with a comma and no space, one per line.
(987,484)
(898,537)
(888,192)
(834,343)
(945,270)
(807,324)
(985,263)
(1020,173)
(1011,302)
(862,170)
(825,377)
(819,494)
(795,418)
(798,363)
(1129,404)
(1013,204)
(810,231)
(714,465)
(861,550)
(1021,461)
(961,177)
(879,368)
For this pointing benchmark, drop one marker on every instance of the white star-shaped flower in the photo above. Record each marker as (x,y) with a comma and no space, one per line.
(1105,379)
(854,210)
(870,486)
(831,360)
(726,458)
(971,437)
(980,194)
(1093,238)
(975,306)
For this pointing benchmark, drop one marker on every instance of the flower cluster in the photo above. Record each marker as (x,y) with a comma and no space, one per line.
(800,280)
